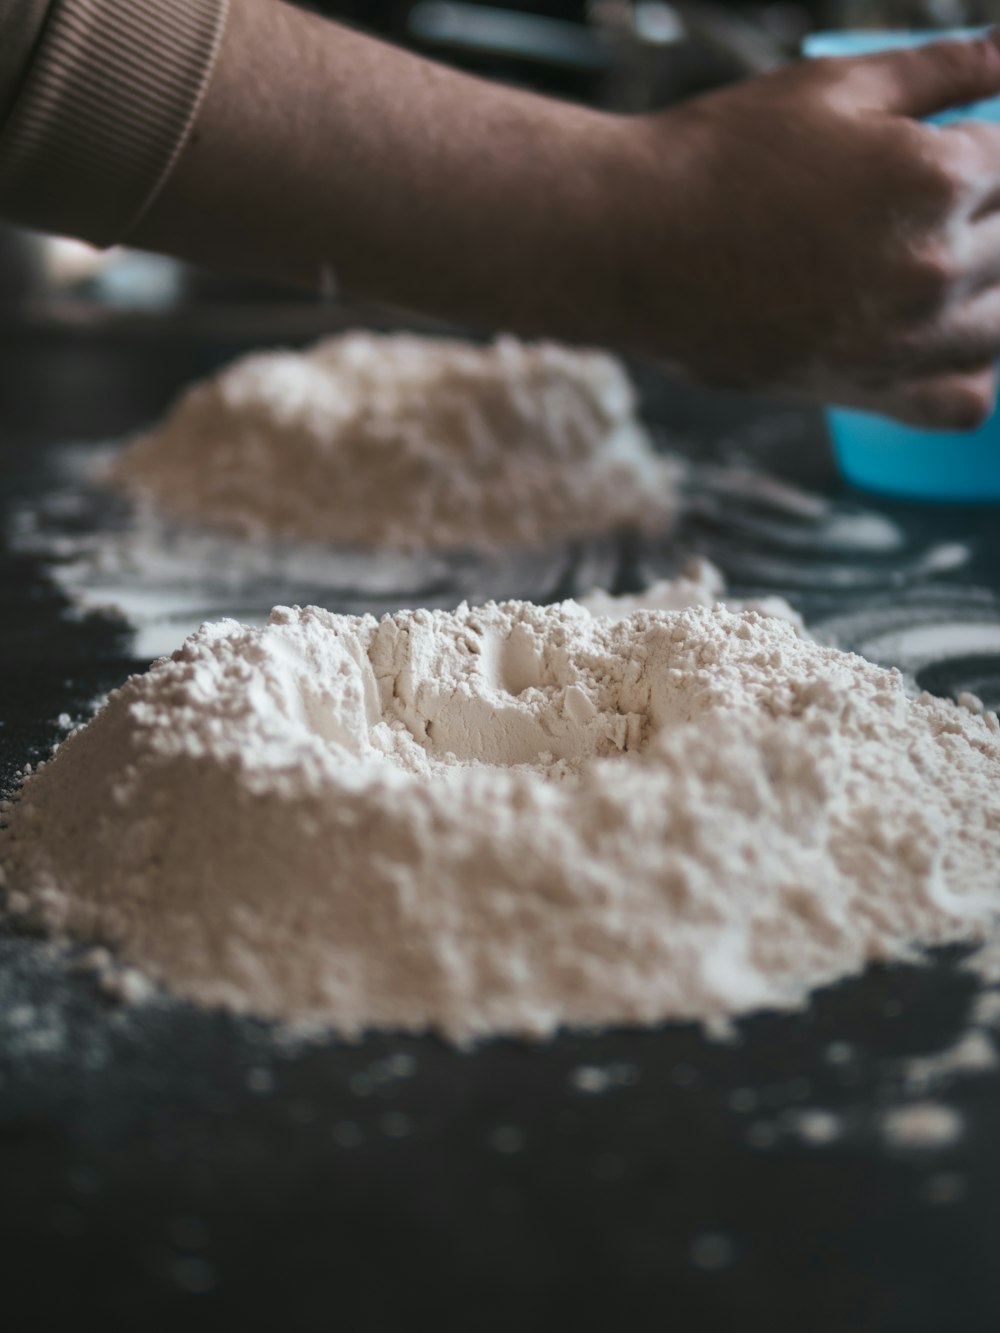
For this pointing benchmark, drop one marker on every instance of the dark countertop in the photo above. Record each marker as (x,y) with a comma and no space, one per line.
(169,1169)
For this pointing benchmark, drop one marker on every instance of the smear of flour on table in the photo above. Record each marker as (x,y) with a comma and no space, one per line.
(161,579)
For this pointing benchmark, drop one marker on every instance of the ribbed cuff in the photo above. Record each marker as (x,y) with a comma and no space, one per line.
(104,112)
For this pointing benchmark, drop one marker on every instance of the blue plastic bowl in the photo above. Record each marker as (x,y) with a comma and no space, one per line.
(872,451)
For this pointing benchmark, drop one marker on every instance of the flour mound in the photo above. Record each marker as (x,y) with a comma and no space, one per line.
(408,443)
(509,818)
(700,584)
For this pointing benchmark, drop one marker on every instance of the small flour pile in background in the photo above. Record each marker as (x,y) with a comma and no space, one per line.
(700,584)
(510,818)
(407,443)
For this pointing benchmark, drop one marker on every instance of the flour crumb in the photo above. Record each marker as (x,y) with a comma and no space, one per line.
(945,1187)
(396,1124)
(391,1070)
(93,960)
(506,1139)
(986,1010)
(815,1127)
(840,1054)
(974,1053)
(259,1080)
(596,1079)
(712,1252)
(922,1126)
(762,1135)
(125,985)
(395,441)
(347,1134)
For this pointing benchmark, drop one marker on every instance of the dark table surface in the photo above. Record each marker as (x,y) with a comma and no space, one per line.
(168,1169)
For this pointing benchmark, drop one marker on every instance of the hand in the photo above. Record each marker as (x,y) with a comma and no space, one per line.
(803,232)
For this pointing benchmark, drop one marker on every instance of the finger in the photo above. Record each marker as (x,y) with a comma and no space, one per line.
(967,338)
(987,205)
(971,149)
(977,252)
(921,81)
(962,401)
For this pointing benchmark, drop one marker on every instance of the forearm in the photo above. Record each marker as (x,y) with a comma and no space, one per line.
(319,152)
(706,236)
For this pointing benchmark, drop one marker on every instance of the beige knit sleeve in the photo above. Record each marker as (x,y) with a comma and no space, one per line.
(103,101)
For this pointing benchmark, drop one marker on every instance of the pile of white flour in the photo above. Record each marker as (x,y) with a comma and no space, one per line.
(407,443)
(700,584)
(505,819)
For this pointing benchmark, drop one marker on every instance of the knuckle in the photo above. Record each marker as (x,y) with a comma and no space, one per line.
(967,65)
(933,271)
(930,280)
(968,144)
(946,163)
(828,71)
(951,176)
(968,150)
(981,402)
(905,351)
(961,408)
(984,56)
(969,412)
(955,62)
(843,85)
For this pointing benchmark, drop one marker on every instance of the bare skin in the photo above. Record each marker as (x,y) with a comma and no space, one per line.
(800,233)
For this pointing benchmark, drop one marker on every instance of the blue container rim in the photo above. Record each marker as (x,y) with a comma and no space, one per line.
(870,41)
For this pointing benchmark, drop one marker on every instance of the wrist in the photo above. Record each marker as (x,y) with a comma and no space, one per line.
(647,232)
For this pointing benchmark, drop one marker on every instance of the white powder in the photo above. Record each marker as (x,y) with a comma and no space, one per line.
(407,443)
(701,584)
(510,818)
(816,1127)
(973,1053)
(922,1126)
(596,1079)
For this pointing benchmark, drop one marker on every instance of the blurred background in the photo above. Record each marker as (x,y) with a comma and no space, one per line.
(624,55)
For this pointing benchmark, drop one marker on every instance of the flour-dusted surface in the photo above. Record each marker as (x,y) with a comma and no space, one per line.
(511,818)
(408,443)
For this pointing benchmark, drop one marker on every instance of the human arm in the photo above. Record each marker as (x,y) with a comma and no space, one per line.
(799,233)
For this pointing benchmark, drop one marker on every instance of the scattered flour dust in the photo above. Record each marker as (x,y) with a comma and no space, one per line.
(510,818)
(921,1126)
(401,442)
